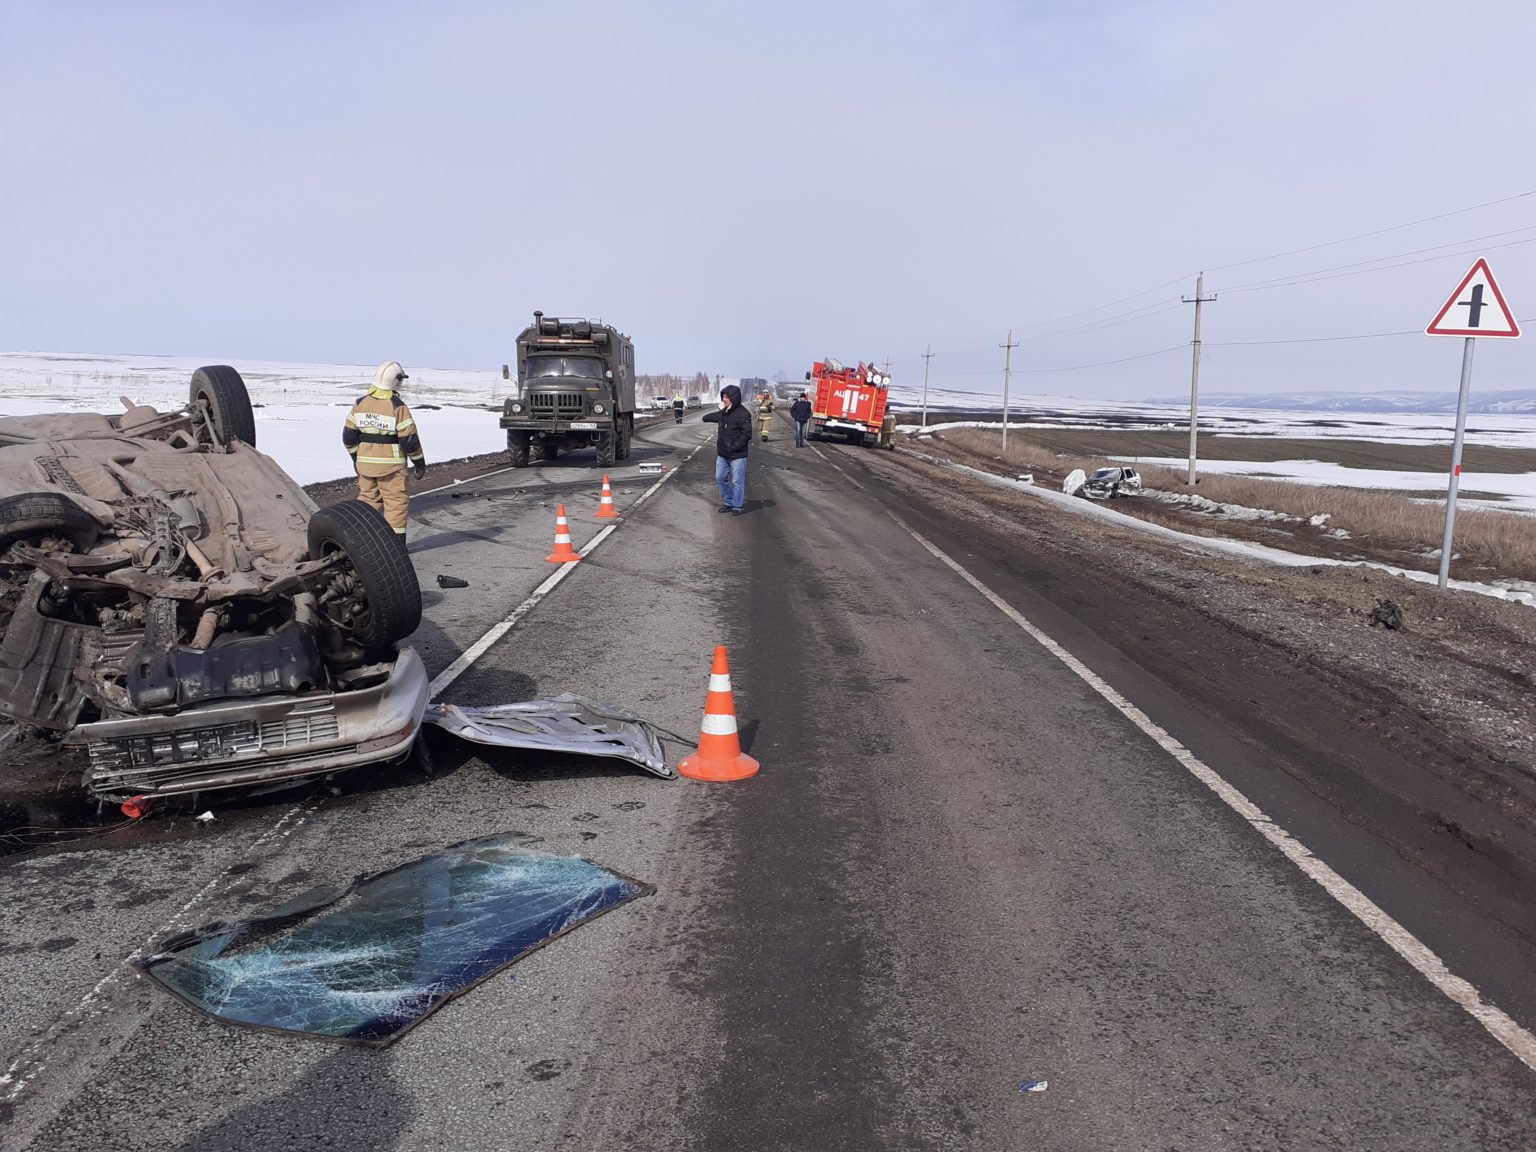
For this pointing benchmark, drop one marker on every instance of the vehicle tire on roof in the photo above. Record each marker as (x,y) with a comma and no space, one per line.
(229,403)
(390,595)
(45,514)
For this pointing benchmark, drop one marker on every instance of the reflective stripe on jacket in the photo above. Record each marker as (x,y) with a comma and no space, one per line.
(380,433)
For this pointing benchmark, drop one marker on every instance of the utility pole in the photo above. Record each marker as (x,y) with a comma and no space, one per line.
(1197,299)
(1007,375)
(927,356)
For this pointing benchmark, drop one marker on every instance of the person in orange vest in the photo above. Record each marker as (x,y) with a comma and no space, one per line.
(380,434)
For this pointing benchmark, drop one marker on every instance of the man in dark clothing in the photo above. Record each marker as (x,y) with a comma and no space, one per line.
(732,440)
(801,411)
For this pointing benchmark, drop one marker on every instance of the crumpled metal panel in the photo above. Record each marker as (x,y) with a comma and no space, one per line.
(363,964)
(566,723)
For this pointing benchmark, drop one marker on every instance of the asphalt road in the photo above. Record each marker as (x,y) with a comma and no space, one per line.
(959,870)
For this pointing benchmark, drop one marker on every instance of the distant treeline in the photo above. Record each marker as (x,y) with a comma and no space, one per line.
(699,384)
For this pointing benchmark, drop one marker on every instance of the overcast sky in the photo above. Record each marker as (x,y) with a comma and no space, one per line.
(745,188)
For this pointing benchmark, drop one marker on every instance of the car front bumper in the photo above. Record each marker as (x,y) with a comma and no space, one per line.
(247,743)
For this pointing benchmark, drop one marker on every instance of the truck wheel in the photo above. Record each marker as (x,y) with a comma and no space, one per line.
(229,404)
(548,450)
(517,449)
(626,436)
(856,439)
(607,448)
(40,514)
(378,601)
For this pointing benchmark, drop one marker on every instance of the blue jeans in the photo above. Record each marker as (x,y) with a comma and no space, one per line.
(799,433)
(731,475)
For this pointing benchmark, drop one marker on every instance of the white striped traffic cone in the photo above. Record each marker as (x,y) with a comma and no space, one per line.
(563,553)
(605,508)
(719,757)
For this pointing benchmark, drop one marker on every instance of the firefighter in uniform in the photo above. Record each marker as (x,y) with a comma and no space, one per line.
(765,412)
(678,403)
(381,436)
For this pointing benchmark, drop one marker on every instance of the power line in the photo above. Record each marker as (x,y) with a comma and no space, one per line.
(1271,256)
(1377,260)
(1071,367)
(1377,232)
(1385,267)
(1327,339)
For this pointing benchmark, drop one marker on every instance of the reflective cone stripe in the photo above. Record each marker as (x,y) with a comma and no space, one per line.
(719,757)
(605,508)
(563,553)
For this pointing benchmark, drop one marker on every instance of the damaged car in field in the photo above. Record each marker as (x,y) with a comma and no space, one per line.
(1104,484)
(172,602)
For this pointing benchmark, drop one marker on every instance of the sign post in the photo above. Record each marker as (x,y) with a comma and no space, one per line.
(1486,315)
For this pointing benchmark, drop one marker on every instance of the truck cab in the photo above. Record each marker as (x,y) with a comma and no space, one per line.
(576,389)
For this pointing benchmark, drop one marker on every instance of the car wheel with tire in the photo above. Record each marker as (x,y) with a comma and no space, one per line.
(378,602)
(219,389)
(607,447)
(517,449)
(40,514)
(626,436)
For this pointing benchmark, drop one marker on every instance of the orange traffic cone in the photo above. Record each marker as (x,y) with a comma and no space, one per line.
(563,553)
(719,757)
(605,508)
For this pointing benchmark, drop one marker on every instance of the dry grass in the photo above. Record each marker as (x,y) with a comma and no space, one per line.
(1502,541)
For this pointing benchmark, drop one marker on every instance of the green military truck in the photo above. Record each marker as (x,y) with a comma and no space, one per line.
(576,388)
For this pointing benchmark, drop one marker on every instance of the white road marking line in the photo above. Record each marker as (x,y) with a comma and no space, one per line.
(478,649)
(460,484)
(15,1080)
(1499,1025)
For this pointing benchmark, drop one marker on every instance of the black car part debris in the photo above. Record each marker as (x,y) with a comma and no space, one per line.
(451,582)
(566,723)
(1387,614)
(363,964)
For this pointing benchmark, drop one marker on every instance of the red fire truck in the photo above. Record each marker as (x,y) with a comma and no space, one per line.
(851,401)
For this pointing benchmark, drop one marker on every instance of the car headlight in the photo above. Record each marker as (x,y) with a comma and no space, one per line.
(517,407)
(598,409)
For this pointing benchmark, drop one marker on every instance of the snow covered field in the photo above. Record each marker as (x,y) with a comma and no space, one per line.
(1519,489)
(302,405)
(1505,431)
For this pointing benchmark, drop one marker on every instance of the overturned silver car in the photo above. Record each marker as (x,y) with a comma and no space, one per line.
(174,603)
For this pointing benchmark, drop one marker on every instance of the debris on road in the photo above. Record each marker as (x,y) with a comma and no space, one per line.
(204,817)
(1387,614)
(650,468)
(404,943)
(565,723)
(1034,1086)
(451,582)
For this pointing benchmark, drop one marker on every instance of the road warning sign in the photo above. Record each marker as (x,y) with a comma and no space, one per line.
(1476,308)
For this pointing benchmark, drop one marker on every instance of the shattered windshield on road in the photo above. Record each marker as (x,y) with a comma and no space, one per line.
(540,367)
(390,949)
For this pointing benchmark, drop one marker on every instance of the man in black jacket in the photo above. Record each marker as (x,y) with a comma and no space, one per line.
(801,411)
(732,440)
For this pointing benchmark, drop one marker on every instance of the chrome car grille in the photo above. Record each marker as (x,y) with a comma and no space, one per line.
(140,760)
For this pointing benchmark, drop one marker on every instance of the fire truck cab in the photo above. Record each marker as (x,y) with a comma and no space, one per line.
(851,401)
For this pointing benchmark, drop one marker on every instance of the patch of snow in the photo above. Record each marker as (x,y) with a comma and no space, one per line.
(1515,591)
(301,407)
(1518,489)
